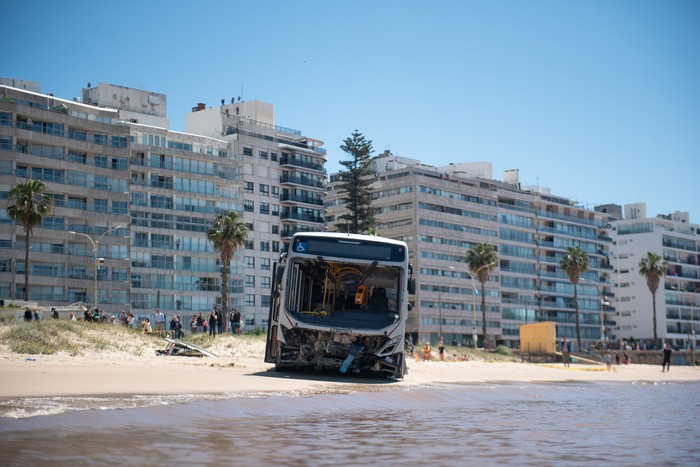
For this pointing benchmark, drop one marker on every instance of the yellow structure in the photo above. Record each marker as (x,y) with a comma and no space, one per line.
(538,337)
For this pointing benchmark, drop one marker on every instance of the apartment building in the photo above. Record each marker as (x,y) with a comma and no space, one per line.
(178,183)
(116,170)
(283,188)
(442,212)
(677,241)
(80,251)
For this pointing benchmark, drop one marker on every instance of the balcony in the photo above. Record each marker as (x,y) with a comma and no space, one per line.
(302,217)
(299,163)
(301,199)
(305,181)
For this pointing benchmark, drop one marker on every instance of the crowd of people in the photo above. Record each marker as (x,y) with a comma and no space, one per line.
(214,323)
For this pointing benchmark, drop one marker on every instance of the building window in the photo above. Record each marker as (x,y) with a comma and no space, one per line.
(276,191)
(275,229)
(275,210)
(100,160)
(264,208)
(273,156)
(247,151)
(248,205)
(265,282)
(264,189)
(77,203)
(250,299)
(265,264)
(249,245)
(119,141)
(249,262)
(80,158)
(262,154)
(265,246)
(100,205)
(250,281)
(77,135)
(120,207)
(249,187)
(276,247)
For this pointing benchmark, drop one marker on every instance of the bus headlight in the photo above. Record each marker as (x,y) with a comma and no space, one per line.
(391,347)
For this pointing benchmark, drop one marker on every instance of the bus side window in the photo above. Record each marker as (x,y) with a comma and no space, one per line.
(361,295)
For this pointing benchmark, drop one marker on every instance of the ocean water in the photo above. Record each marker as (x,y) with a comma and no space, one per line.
(378,424)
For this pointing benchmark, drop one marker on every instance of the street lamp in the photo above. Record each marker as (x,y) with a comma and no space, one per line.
(96,260)
(474,293)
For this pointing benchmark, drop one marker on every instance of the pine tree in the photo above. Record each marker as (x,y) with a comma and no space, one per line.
(356,183)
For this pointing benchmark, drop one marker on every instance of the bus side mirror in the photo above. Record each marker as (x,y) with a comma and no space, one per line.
(411,286)
(278,274)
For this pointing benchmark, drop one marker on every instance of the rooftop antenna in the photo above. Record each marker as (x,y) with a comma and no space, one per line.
(239,97)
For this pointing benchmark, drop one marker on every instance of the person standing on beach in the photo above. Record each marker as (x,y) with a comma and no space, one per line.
(200,322)
(213,320)
(219,320)
(608,362)
(565,351)
(27,314)
(666,365)
(236,320)
(441,350)
(159,320)
(426,352)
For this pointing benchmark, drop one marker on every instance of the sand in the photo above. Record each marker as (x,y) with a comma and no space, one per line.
(240,369)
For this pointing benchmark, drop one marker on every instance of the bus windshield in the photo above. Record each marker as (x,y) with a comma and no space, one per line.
(342,294)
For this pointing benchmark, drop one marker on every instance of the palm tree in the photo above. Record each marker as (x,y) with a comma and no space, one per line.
(653,267)
(575,263)
(481,259)
(28,204)
(227,235)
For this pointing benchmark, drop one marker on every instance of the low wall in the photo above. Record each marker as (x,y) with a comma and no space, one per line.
(655,357)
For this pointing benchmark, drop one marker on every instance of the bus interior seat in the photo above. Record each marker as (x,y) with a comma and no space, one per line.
(378,301)
(350,301)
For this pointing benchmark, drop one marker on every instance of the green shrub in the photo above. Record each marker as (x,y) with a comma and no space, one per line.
(503,350)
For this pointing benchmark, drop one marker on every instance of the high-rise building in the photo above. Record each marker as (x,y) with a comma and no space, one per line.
(283,188)
(80,251)
(178,183)
(677,242)
(442,212)
(115,169)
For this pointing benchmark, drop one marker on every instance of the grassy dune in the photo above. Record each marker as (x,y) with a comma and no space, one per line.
(77,338)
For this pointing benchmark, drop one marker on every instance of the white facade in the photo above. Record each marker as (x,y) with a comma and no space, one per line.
(678,297)
(134,105)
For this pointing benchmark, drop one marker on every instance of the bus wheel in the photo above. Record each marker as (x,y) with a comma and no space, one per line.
(401,369)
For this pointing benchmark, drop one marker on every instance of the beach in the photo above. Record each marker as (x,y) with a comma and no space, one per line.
(145,409)
(240,368)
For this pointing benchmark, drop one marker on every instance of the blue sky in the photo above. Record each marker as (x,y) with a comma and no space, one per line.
(597,100)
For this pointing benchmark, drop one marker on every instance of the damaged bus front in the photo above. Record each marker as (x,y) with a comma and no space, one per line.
(339,302)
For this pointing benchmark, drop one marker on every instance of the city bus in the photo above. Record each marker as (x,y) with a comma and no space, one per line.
(339,303)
